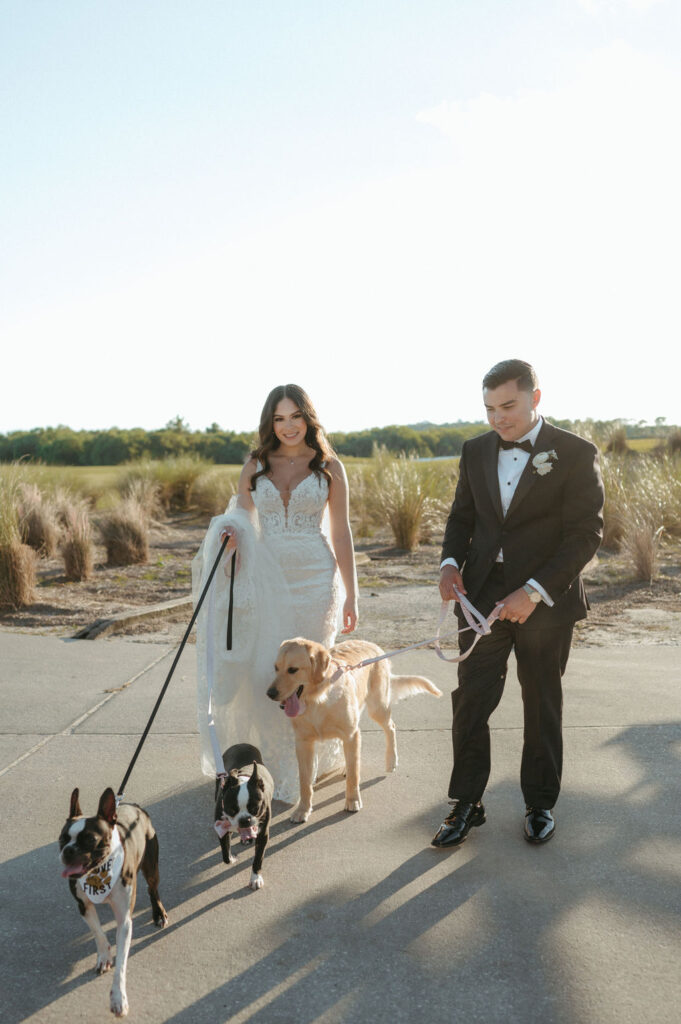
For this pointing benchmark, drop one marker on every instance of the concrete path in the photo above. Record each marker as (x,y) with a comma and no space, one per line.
(360,919)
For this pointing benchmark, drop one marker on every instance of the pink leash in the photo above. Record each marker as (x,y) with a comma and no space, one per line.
(480,625)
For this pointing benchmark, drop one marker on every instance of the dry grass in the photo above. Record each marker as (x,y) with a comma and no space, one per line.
(641,542)
(17,560)
(17,575)
(125,533)
(363,524)
(76,546)
(411,496)
(175,478)
(147,493)
(213,490)
(642,504)
(617,441)
(616,510)
(38,516)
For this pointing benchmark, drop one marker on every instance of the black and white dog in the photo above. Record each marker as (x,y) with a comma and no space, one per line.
(101,856)
(243,804)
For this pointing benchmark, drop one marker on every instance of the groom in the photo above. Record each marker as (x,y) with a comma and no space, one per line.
(526,519)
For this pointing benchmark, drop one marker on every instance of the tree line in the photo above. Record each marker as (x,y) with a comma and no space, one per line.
(63,446)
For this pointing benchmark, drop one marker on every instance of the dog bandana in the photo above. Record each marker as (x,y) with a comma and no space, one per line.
(100,880)
(222,826)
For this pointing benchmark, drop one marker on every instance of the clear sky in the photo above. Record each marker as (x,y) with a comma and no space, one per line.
(202,199)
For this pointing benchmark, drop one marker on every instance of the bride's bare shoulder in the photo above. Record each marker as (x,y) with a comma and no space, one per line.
(335,467)
(250,468)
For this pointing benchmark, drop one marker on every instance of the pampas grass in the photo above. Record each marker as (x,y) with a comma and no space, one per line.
(17,575)
(125,533)
(212,492)
(147,493)
(363,524)
(641,542)
(38,516)
(641,489)
(17,560)
(175,477)
(407,494)
(617,441)
(76,546)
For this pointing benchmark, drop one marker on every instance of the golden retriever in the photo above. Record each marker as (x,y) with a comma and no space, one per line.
(324,698)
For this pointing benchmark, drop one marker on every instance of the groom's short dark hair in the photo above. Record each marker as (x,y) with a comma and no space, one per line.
(511,369)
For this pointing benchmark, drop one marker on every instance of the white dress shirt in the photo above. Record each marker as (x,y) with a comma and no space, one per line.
(510,466)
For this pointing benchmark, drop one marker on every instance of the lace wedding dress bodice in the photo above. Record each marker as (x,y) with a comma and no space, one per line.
(301,514)
(286,584)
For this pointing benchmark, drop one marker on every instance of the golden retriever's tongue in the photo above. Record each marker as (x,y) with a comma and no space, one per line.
(292,705)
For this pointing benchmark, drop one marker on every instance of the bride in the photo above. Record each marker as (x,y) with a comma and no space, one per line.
(295,576)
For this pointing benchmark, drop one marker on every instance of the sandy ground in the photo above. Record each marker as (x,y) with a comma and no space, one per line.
(399,603)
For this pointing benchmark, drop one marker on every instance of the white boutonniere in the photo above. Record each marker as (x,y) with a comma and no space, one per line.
(542,462)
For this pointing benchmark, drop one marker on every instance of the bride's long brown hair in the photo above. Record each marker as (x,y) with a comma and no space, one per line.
(315,437)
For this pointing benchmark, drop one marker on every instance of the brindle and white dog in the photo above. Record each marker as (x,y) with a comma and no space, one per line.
(101,856)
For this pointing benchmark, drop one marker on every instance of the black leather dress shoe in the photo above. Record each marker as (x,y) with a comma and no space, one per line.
(539,825)
(458,823)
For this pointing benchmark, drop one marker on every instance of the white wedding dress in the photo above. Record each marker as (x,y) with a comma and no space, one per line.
(287,584)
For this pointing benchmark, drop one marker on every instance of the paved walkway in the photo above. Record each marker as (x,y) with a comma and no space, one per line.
(360,920)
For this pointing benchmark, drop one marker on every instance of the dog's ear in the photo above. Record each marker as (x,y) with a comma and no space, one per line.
(107,806)
(74,810)
(320,658)
(256,778)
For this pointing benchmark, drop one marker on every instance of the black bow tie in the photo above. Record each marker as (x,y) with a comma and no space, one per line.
(507,445)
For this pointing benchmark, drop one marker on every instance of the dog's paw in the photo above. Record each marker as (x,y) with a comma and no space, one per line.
(229,859)
(301,814)
(256,881)
(105,962)
(160,919)
(119,1003)
(353,805)
(391,763)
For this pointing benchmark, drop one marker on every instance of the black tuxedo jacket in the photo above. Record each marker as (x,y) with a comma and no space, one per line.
(553,527)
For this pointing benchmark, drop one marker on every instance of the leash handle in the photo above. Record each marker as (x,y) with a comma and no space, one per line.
(172,669)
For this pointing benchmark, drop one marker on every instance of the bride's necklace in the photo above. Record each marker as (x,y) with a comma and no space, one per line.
(291,459)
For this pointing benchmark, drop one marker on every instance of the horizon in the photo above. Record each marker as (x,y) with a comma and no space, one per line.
(660,423)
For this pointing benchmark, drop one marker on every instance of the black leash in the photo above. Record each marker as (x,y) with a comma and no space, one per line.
(231,604)
(161,695)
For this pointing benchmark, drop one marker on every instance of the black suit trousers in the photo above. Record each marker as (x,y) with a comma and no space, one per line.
(541,656)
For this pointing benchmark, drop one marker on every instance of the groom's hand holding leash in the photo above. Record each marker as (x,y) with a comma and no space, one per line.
(450,577)
(517,607)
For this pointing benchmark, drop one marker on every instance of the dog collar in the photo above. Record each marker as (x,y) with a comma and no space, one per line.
(100,880)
